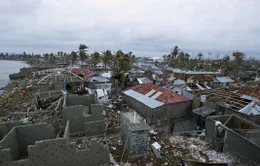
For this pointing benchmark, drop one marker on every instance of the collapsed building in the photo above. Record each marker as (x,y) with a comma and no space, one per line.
(236,136)
(67,129)
(59,79)
(84,114)
(37,144)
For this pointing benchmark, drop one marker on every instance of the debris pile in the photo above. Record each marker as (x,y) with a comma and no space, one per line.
(16,102)
(195,149)
(112,113)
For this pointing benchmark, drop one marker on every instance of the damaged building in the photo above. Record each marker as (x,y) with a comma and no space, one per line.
(84,113)
(59,79)
(37,144)
(68,130)
(234,135)
(156,103)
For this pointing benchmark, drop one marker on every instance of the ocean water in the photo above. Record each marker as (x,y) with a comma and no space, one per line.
(7,68)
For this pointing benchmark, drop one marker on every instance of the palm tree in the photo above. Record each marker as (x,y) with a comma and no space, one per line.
(200,56)
(83,52)
(73,57)
(46,56)
(182,57)
(186,58)
(95,57)
(107,56)
(164,58)
(174,53)
(122,61)
(168,58)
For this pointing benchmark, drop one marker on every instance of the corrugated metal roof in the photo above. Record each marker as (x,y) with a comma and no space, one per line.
(165,97)
(90,74)
(224,79)
(81,71)
(251,109)
(201,78)
(204,111)
(179,82)
(250,91)
(156,95)
(98,79)
(152,103)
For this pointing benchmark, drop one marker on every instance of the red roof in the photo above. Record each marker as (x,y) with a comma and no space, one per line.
(90,74)
(250,91)
(80,71)
(166,97)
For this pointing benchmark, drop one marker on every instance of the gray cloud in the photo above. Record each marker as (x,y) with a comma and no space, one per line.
(147,27)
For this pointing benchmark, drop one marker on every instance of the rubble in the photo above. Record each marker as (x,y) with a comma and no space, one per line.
(195,149)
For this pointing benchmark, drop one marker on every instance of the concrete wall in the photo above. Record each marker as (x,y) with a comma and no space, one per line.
(94,128)
(84,120)
(29,134)
(234,143)
(253,136)
(97,155)
(55,152)
(10,142)
(5,127)
(74,115)
(74,99)
(239,146)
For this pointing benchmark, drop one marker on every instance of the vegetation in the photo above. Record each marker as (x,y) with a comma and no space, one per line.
(83,52)
(122,61)
(107,56)
(95,57)
(74,57)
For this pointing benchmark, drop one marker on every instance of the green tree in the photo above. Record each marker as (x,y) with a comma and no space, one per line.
(83,52)
(182,58)
(52,58)
(74,57)
(186,59)
(95,57)
(107,56)
(123,61)
(165,58)
(46,56)
(200,56)
(133,57)
(174,54)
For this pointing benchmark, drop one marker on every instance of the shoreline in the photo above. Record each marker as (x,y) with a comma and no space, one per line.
(10,85)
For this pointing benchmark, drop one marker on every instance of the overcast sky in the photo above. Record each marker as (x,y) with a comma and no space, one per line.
(146,27)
